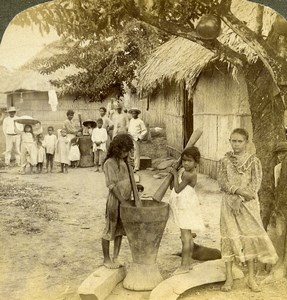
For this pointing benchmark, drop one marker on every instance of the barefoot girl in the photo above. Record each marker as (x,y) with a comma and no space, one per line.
(62,151)
(185,206)
(118,183)
(41,153)
(28,147)
(242,234)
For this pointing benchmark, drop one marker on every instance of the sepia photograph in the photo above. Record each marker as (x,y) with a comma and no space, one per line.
(143,149)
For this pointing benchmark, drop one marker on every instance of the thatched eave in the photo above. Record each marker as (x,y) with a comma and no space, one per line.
(181,60)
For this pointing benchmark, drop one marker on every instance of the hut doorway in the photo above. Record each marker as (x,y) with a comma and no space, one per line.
(187,116)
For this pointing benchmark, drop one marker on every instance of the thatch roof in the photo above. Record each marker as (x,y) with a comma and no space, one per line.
(28,78)
(183,60)
(178,59)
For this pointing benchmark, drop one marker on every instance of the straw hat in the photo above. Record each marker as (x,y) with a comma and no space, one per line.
(11,109)
(281,147)
(134,109)
(27,120)
(118,105)
(93,123)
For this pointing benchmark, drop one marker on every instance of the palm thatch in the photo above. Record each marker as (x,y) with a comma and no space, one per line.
(183,60)
(176,60)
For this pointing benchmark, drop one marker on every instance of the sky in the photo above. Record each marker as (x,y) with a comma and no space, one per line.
(20,44)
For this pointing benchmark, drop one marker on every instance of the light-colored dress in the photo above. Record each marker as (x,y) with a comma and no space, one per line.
(62,150)
(74,153)
(70,128)
(185,208)
(41,153)
(242,236)
(116,174)
(28,149)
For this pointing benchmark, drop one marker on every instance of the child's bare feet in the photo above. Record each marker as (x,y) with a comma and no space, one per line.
(227,287)
(116,262)
(251,283)
(111,265)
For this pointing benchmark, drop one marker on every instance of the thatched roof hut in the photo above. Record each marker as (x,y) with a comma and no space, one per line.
(31,91)
(185,90)
(183,60)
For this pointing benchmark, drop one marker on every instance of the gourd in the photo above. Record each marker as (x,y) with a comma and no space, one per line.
(208,27)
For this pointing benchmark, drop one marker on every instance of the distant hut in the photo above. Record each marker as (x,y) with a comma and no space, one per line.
(183,89)
(34,94)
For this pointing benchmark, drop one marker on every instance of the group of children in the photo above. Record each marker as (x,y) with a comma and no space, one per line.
(36,149)
(243,237)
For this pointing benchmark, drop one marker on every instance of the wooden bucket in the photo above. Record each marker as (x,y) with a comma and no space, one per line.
(86,150)
(144,227)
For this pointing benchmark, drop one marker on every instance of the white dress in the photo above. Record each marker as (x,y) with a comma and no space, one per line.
(74,153)
(185,209)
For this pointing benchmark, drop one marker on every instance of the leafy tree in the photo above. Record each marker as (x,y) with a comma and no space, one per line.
(102,18)
(106,54)
(103,63)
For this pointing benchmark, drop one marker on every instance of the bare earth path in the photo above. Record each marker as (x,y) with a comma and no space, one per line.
(50,231)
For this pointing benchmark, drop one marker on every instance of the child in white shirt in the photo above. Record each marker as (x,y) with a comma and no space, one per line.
(99,139)
(50,141)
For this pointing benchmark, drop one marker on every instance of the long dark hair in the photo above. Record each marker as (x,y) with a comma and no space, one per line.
(121,142)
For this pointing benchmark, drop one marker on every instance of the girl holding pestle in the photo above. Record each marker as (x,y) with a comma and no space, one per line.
(118,183)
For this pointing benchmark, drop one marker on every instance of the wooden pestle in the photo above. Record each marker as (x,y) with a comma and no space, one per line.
(160,192)
(138,201)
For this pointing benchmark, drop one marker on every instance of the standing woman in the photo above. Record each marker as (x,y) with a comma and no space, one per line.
(69,125)
(242,233)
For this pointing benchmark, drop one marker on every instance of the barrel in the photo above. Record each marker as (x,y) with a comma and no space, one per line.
(86,150)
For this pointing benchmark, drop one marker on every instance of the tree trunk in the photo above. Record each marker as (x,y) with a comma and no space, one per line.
(267,115)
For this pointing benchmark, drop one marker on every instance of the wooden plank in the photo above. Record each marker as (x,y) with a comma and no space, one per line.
(204,273)
(100,283)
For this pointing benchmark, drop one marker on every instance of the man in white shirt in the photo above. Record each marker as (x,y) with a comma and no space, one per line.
(119,119)
(137,130)
(12,138)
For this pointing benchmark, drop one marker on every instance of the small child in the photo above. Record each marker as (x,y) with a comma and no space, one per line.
(118,183)
(184,205)
(281,153)
(50,141)
(62,151)
(74,153)
(40,152)
(99,139)
(28,148)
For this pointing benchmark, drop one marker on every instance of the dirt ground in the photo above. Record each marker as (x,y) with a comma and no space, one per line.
(50,235)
